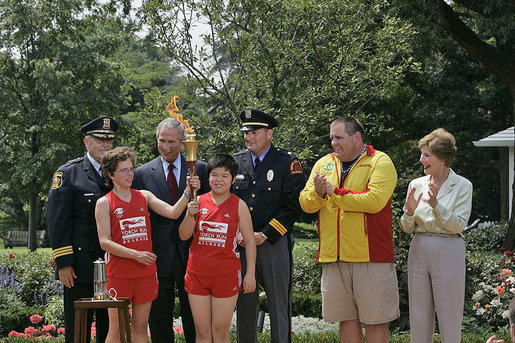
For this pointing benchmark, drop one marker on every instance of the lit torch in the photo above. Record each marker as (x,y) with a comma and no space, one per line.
(190,143)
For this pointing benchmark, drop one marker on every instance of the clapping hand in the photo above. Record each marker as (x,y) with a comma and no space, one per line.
(433,192)
(494,339)
(322,186)
(412,202)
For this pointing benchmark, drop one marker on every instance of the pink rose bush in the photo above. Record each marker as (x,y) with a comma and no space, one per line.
(45,331)
(493,295)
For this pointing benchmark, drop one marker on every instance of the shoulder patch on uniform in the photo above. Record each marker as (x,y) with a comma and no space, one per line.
(57,180)
(295,167)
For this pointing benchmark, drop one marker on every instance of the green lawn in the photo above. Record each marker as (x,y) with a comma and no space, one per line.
(19,249)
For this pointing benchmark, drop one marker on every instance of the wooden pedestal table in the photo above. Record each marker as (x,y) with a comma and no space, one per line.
(81,317)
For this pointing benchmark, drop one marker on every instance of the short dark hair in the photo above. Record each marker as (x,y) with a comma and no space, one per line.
(112,158)
(352,125)
(223,160)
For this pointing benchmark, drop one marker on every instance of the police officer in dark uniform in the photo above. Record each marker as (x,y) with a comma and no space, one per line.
(269,180)
(70,216)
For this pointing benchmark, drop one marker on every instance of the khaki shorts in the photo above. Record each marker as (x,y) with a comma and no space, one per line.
(366,291)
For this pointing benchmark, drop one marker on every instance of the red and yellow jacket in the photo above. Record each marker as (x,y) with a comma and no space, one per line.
(355,222)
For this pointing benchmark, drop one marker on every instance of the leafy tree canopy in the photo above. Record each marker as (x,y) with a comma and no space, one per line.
(56,75)
(305,62)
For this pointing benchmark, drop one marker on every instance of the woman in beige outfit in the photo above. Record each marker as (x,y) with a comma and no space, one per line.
(437,209)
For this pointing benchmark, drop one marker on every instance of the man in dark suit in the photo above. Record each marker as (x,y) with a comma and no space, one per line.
(269,180)
(165,176)
(70,216)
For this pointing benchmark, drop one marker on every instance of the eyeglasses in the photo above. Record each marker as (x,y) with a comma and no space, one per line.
(126,171)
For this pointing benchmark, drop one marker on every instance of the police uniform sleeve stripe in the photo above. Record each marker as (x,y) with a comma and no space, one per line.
(67,250)
(278,226)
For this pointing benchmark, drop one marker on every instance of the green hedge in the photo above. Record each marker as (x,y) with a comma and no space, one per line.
(308,305)
(16,318)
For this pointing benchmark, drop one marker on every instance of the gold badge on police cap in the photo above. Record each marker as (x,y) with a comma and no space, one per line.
(270,175)
(248,114)
(107,123)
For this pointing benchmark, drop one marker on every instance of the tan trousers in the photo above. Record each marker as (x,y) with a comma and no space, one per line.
(436,283)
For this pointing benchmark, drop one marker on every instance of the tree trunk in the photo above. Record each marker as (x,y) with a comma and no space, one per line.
(33,221)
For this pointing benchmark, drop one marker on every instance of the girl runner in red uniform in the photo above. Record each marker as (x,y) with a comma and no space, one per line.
(213,275)
(124,232)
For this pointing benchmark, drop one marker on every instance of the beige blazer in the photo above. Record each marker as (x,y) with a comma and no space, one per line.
(451,214)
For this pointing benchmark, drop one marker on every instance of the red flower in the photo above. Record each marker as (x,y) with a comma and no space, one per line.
(502,249)
(30,330)
(12,255)
(13,334)
(35,318)
(48,327)
(178,329)
(509,253)
(60,331)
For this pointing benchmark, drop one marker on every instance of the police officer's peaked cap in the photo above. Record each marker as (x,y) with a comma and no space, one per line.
(255,119)
(101,128)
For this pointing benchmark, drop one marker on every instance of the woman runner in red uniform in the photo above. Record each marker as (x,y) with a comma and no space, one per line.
(124,232)
(213,275)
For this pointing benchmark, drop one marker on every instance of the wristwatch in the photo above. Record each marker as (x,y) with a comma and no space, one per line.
(187,195)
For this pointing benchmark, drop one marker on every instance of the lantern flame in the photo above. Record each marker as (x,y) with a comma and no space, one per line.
(173,110)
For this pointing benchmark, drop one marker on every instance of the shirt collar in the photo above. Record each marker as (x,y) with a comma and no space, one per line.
(176,163)
(262,156)
(95,164)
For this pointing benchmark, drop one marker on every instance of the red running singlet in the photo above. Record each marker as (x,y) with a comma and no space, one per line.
(130,227)
(213,250)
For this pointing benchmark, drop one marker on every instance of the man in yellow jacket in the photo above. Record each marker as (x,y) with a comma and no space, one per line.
(351,189)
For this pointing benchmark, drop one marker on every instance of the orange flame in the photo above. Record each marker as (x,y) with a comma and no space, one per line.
(173,110)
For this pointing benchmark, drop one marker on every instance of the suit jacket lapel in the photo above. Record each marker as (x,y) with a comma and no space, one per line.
(158,176)
(182,178)
(447,185)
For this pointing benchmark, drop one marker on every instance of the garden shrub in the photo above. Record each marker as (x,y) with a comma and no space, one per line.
(305,230)
(26,287)
(307,305)
(486,236)
(401,243)
(54,311)
(490,287)
(16,318)
(9,299)
(30,275)
(303,304)
(306,272)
